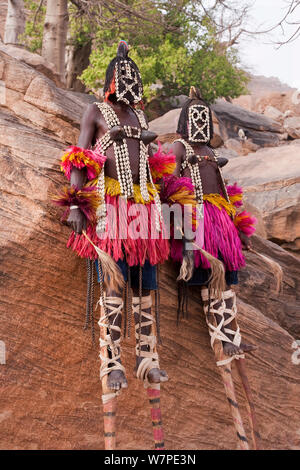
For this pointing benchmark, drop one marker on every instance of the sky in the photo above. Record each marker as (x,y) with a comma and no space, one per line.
(262,58)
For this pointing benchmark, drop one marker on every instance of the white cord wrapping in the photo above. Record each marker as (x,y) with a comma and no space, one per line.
(150,357)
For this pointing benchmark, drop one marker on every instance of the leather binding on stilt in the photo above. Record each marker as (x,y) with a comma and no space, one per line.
(215,331)
(150,357)
(110,361)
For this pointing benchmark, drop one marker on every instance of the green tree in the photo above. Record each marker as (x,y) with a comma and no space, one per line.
(175,43)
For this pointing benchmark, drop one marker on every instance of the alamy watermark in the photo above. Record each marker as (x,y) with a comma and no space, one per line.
(137,222)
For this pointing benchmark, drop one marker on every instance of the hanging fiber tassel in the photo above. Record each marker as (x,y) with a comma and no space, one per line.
(88,294)
(129,302)
(140,306)
(125,300)
(90,299)
(179,301)
(275,268)
(113,279)
(157,306)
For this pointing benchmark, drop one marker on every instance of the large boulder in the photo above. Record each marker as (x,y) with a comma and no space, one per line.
(33,60)
(165,126)
(265,92)
(37,101)
(51,395)
(260,130)
(273,113)
(271,181)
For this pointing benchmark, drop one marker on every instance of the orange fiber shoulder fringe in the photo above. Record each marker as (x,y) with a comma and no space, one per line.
(245,222)
(235,194)
(81,158)
(130,233)
(161,164)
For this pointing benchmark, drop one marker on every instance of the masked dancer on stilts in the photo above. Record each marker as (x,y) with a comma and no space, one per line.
(223,230)
(115,210)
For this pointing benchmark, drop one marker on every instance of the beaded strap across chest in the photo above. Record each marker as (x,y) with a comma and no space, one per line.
(123,162)
(195,173)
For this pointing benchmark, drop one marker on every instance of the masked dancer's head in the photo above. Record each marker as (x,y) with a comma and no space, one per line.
(195,121)
(123,82)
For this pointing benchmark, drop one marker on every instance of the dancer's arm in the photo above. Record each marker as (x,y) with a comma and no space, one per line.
(77,219)
(188,254)
(177,150)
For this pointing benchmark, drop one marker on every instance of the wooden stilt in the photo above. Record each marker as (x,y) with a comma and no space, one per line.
(241,368)
(226,375)
(109,398)
(143,318)
(109,416)
(224,365)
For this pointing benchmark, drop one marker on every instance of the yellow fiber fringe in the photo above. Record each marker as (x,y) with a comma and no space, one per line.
(112,188)
(219,201)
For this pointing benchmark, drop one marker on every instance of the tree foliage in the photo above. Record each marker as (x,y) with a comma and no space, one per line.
(175,43)
(173,55)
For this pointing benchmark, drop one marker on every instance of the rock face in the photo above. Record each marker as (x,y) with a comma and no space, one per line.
(50,391)
(33,60)
(37,101)
(273,113)
(284,101)
(271,181)
(3,11)
(269,92)
(292,126)
(50,394)
(259,131)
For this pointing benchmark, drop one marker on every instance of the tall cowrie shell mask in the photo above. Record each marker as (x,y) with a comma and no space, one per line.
(129,88)
(198,128)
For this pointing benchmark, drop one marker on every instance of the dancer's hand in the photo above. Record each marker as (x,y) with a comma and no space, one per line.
(77,220)
(246,242)
(187,266)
